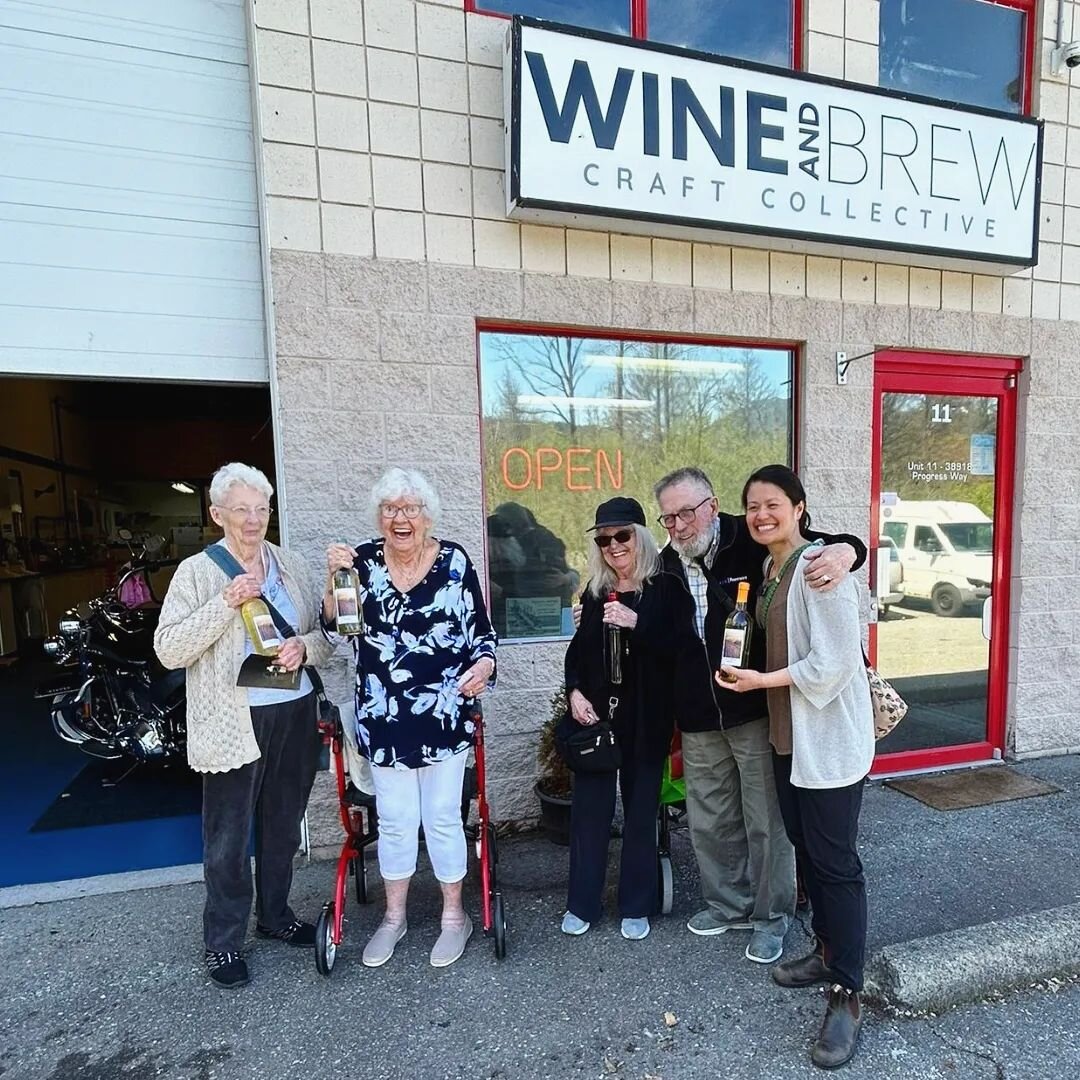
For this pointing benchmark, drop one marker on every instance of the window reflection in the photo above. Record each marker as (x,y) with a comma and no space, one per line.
(610,15)
(568,422)
(760,31)
(968,51)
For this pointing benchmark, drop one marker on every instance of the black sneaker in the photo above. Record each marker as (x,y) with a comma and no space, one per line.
(226,969)
(300,934)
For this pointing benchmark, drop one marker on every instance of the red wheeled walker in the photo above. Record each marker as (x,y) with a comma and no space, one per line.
(360,819)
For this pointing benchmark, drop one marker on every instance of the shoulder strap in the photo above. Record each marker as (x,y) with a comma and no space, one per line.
(227,562)
(714,590)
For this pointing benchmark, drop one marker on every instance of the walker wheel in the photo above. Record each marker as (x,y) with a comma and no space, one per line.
(358,868)
(666,884)
(325,949)
(498,926)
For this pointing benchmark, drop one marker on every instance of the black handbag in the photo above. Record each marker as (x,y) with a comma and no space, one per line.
(590,749)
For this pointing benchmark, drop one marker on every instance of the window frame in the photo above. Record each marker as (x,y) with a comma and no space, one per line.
(639,22)
(1029,9)
(537,329)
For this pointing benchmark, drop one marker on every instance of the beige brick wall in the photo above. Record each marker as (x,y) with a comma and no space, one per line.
(382,157)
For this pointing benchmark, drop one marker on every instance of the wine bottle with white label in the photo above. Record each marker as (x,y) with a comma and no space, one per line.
(737,628)
(348,610)
(259,623)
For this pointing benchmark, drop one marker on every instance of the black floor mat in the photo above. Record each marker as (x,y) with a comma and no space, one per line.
(148,791)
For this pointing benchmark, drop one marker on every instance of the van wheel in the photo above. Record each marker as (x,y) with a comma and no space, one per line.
(947,601)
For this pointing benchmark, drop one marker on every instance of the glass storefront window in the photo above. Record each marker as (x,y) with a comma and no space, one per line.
(760,31)
(610,15)
(570,421)
(967,51)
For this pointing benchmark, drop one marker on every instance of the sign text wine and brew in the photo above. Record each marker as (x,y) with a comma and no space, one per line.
(604,127)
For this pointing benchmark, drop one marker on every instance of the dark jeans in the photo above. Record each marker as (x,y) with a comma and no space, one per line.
(273,793)
(823,826)
(591,814)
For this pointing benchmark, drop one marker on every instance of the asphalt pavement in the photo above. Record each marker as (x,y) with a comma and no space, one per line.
(112,987)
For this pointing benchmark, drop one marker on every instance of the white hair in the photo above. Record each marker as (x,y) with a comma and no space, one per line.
(404,484)
(234,474)
(646,563)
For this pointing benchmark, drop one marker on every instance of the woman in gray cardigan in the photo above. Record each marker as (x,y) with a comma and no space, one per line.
(822,733)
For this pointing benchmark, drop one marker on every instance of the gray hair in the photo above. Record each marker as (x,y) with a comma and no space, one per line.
(646,564)
(686,475)
(236,473)
(400,484)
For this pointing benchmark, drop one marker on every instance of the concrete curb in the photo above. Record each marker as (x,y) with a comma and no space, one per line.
(934,973)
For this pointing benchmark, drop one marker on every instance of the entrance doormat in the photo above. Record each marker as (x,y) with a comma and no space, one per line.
(147,791)
(972,787)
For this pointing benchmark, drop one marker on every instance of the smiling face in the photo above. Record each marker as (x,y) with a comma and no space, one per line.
(621,551)
(688,537)
(404,534)
(244,516)
(771,515)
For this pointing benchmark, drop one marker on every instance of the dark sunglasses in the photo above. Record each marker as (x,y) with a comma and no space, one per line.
(622,536)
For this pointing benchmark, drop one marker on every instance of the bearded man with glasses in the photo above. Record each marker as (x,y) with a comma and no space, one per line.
(746,862)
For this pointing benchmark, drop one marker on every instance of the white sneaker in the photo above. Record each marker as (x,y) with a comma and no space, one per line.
(574,926)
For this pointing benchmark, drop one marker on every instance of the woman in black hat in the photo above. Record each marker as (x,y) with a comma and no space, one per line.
(624,561)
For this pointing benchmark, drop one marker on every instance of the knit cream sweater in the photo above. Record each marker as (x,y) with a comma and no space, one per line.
(198,631)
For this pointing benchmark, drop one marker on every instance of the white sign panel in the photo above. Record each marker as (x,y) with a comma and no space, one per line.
(603,127)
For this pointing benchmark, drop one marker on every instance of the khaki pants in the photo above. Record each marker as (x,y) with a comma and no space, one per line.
(746,861)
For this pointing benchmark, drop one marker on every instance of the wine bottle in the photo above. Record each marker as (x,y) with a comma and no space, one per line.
(736,647)
(348,612)
(613,647)
(260,627)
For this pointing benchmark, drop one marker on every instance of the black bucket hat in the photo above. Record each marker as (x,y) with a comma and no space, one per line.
(618,511)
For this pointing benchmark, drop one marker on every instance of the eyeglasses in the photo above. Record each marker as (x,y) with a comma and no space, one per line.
(621,536)
(242,513)
(685,514)
(410,510)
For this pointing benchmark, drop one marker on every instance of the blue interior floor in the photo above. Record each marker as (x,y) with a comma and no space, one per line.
(36,768)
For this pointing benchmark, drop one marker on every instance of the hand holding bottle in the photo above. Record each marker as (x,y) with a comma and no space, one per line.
(339,557)
(739,679)
(618,614)
(241,589)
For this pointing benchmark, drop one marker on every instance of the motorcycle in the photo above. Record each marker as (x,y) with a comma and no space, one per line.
(113,698)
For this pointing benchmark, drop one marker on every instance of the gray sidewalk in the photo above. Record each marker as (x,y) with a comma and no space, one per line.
(111,987)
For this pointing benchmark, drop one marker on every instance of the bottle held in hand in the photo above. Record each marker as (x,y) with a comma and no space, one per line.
(348,611)
(613,648)
(260,627)
(737,630)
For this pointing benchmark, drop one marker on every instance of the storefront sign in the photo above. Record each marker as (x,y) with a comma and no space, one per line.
(669,141)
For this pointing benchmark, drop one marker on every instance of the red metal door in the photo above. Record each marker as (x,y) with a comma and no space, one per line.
(941,512)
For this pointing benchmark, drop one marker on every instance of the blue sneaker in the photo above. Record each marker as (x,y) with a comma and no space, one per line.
(574,926)
(635,929)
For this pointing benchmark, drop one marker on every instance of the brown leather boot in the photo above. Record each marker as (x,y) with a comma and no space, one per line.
(839,1034)
(807,970)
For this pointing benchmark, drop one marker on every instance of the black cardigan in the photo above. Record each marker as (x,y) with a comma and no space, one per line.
(645,718)
(700,705)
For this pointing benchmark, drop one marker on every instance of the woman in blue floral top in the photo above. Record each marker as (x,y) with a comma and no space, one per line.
(427,651)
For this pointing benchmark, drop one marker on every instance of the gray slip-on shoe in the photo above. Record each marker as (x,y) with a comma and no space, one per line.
(706,923)
(451,944)
(381,946)
(764,948)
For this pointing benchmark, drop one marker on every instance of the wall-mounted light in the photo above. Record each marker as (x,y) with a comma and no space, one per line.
(184,489)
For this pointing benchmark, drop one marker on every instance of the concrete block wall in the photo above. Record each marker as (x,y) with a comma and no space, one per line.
(381,124)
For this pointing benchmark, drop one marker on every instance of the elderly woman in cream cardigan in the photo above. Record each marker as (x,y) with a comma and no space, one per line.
(257,748)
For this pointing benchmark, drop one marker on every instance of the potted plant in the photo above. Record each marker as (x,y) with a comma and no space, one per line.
(553,786)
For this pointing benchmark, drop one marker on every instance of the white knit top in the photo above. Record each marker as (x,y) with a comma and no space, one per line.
(198,631)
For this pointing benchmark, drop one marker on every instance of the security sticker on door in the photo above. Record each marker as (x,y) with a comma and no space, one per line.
(982,455)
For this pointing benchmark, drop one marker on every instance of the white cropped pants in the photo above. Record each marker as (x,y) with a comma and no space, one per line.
(431,796)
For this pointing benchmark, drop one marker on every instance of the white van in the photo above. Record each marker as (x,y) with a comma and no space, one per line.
(946,549)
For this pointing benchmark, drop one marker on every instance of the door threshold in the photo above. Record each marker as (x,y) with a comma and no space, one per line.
(929,769)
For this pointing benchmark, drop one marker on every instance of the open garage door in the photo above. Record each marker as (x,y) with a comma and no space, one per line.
(129,234)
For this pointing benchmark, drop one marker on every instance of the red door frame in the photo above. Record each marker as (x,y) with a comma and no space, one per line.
(959,374)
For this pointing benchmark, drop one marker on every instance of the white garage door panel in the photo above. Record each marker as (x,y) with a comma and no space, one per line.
(23,287)
(75,239)
(129,243)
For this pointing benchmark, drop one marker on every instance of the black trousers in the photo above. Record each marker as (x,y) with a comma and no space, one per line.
(272,793)
(591,813)
(823,826)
